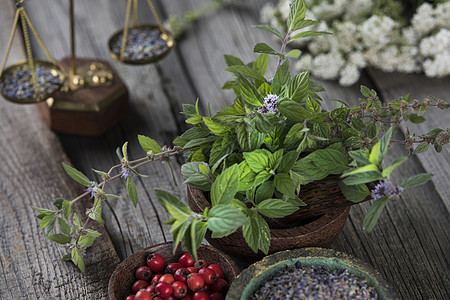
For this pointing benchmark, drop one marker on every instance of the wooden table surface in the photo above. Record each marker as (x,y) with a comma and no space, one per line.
(410,245)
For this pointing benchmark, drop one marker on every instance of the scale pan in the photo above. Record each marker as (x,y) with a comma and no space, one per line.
(145,44)
(16,82)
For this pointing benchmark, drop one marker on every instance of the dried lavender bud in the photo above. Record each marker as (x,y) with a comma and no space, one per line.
(415,106)
(442,138)
(427,102)
(409,142)
(404,106)
(297,282)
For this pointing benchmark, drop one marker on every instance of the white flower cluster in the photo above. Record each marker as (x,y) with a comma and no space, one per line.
(361,40)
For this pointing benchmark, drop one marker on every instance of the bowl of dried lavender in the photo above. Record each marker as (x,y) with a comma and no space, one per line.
(310,273)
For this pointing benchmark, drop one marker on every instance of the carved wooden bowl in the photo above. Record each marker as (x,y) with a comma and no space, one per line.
(121,280)
(319,231)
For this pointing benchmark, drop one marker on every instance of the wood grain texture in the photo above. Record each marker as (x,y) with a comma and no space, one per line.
(31,174)
(409,246)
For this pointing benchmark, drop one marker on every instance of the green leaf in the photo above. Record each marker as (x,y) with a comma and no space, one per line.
(312,105)
(264,191)
(270,29)
(195,133)
(416,119)
(225,186)
(172,204)
(233,60)
(200,141)
(375,154)
(355,193)
(257,233)
(225,218)
(387,171)
(365,91)
(373,214)
(262,177)
(330,160)
(95,213)
(384,143)
(362,178)
(416,180)
(276,208)
(293,111)
(282,76)
(257,160)
(86,241)
(299,86)
(261,63)
(360,156)
(285,185)
(131,189)
(58,203)
(125,150)
(216,128)
(287,161)
(434,132)
(249,93)
(275,159)
(367,168)
(293,53)
(246,177)
(264,48)
(422,147)
(66,206)
(191,173)
(48,219)
(297,12)
(306,168)
(304,34)
(149,144)
(77,175)
(78,259)
(59,238)
(247,72)
(65,228)
(44,211)
(221,148)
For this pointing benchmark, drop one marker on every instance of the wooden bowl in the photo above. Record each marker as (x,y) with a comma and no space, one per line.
(121,280)
(250,280)
(319,232)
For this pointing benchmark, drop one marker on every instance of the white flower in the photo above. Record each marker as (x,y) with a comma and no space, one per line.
(349,75)
(347,35)
(304,63)
(327,66)
(357,59)
(377,31)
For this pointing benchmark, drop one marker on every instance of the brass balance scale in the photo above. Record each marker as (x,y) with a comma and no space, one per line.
(75,95)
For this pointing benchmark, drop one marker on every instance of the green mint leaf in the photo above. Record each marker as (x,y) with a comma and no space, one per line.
(437,147)
(384,143)
(285,185)
(270,29)
(293,53)
(266,49)
(44,211)
(249,93)
(225,186)
(59,238)
(246,176)
(225,218)
(195,133)
(365,169)
(262,177)
(261,124)
(78,259)
(293,111)
(362,178)
(247,72)
(304,34)
(297,11)
(50,226)
(180,231)
(172,204)
(281,78)
(306,23)
(221,148)
(418,179)
(257,160)
(276,208)
(261,63)
(275,159)
(47,220)
(66,206)
(365,91)
(416,119)
(125,150)
(65,228)
(264,191)
(299,86)
(387,171)
(132,192)
(287,161)
(434,132)
(306,168)
(86,241)
(77,220)
(68,256)
(149,144)
(374,155)
(257,233)
(200,142)
(312,105)
(191,173)
(354,193)
(330,160)
(77,175)
(265,89)
(422,147)
(373,214)
(233,60)
(360,156)
(58,203)
(104,175)
(216,128)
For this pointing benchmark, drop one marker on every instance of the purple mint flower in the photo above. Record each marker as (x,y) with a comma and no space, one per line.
(166,155)
(125,173)
(384,189)
(270,104)
(269,81)
(91,189)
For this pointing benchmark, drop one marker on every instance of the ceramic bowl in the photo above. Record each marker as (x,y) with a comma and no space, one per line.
(121,280)
(249,281)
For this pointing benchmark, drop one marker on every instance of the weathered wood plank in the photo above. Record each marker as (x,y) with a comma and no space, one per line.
(393,85)
(31,174)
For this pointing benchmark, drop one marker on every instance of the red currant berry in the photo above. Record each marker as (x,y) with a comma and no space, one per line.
(187,297)
(186,260)
(200,296)
(171,268)
(143,295)
(171,297)
(156,262)
(164,289)
(208,275)
(201,263)
(181,274)
(131,297)
(217,269)
(195,282)
(220,285)
(179,289)
(216,296)
(139,285)
(156,278)
(193,269)
(167,278)
(144,273)
(151,289)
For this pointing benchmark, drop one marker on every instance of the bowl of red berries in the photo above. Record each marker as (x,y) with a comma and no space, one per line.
(157,273)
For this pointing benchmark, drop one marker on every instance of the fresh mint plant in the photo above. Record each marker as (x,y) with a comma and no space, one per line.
(254,155)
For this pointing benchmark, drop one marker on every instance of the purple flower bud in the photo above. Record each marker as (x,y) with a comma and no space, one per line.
(270,104)
(125,173)
(90,189)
